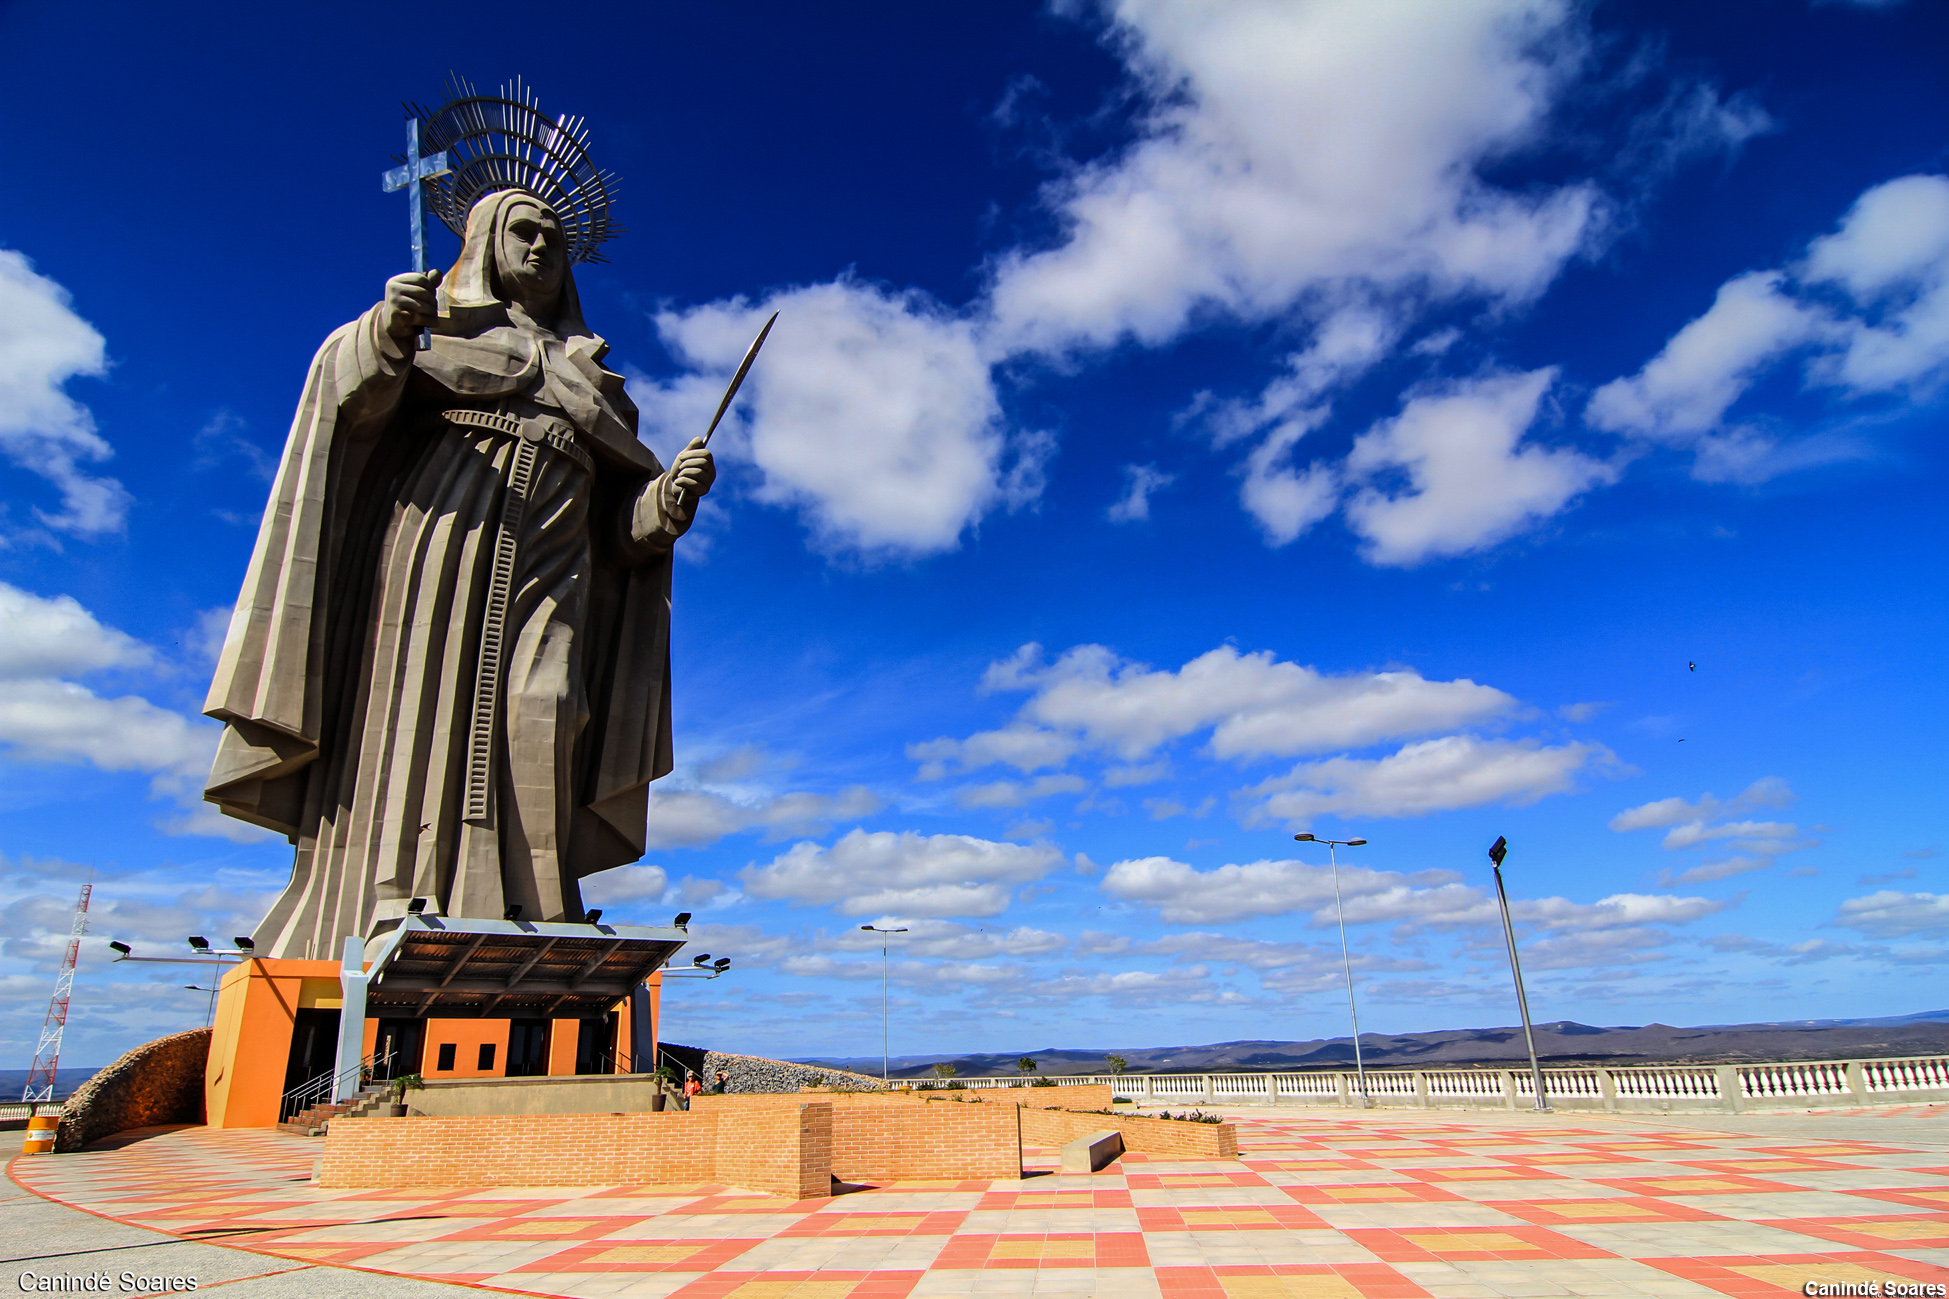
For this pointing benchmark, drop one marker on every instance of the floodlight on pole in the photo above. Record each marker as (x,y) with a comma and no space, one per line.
(1497,851)
(875,929)
(1346,959)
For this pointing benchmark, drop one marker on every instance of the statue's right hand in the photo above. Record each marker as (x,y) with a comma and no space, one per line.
(410,302)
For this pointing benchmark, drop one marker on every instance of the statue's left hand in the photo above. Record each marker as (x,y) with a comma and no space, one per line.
(690,476)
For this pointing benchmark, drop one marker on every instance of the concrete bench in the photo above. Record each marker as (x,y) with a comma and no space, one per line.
(1092,1151)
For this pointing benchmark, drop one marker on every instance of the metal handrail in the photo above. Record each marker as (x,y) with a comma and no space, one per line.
(315,1091)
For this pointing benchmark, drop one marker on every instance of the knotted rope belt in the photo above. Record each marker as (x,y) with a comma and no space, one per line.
(531,433)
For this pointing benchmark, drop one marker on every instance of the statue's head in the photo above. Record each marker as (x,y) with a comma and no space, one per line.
(514,255)
(529,257)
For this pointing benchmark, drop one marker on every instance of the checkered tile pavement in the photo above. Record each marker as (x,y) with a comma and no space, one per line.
(1384,1205)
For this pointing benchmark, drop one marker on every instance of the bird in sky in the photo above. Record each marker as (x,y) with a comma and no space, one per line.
(1693,666)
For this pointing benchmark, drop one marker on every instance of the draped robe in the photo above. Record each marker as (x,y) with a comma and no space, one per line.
(369,662)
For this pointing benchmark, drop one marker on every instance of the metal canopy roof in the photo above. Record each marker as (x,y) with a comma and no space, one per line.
(511,969)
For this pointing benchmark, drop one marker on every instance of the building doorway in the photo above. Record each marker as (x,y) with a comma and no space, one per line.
(527,1048)
(595,1045)
(314,1044)
(396,1049)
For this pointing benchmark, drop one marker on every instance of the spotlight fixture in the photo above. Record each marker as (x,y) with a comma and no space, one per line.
(701,959)
(594,917)
(683,918)
(416,906)
(513,912)
(244,944)
(721,963)
(199,942)
(123,948)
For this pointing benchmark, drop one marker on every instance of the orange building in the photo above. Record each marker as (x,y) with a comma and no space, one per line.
(571,999)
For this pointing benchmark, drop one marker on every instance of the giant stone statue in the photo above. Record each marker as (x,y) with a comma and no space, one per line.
(447,676)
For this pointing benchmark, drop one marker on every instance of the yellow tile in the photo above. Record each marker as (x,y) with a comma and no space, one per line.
(1794,1276)
(1698,1184)
(1898,1230)
(1320,1285)
(1600,1209)
(1228,1217)
(793,1290)
(1436,1241)
(1042,1249)
(542,1227)
(645,1254)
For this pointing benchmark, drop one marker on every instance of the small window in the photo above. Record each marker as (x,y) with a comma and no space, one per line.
(446,1057)
(486,1056)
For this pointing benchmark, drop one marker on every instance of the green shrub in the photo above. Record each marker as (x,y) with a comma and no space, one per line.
(1121,1100)
(1043,1082)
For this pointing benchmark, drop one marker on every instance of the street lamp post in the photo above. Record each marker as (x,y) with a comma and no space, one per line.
(1360,1069)
(875,929)
(1497,851)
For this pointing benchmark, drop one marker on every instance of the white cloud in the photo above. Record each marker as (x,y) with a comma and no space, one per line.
(1892,251)
(625,884)
(1139,482)
(945,940)
(1021,745)
(691,817)
(1430,776)
(1697,832)
(45,717)
(873,412)
(57,637)
(1254,704)
(1295,146)
(1691,824)
(1010,793)
(1886,269)
(1767,791)
(1685,389)
(44,344)
(1472,478)
(906,874)
(1888,914)
(1184,895)
(1283,500)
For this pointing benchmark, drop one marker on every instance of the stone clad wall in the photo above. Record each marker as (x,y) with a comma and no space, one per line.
(751,1073)
(780,1151)
(157,1083)
(1142,1135)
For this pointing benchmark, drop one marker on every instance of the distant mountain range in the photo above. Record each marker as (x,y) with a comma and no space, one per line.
(1563,1042)
(67,1080)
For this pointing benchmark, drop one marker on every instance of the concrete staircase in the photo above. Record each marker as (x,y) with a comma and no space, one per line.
(312,1122)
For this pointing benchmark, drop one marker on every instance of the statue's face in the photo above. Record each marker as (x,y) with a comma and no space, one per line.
(532,257)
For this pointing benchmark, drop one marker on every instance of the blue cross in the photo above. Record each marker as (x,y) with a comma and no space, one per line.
(412,177)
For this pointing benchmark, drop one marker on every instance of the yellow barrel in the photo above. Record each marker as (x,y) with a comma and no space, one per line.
(40,1134)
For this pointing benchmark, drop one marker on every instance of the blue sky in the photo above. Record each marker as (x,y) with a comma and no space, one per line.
(1186,425)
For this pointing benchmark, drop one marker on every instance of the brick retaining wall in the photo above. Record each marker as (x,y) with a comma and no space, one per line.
(779,1151)
(889,1143)
(1142,1135)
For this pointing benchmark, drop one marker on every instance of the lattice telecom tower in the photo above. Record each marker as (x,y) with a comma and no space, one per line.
(40,1079)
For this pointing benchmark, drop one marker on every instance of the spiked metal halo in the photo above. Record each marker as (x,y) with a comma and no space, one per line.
(496,142)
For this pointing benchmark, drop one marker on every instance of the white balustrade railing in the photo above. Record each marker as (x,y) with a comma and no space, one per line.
(1790,1084)
(1926,1073)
